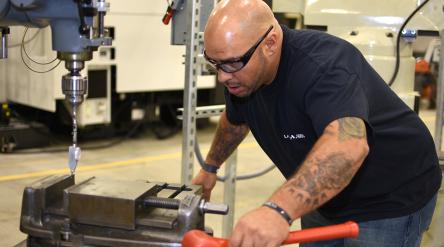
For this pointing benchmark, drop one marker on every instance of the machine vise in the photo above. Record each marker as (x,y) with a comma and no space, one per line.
(56,211)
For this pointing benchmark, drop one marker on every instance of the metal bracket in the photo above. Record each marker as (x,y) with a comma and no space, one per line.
(205,111)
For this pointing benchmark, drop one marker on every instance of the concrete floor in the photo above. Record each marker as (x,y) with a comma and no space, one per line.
(142,158)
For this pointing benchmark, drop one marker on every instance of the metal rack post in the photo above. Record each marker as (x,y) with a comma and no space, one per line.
(190,91)
(229,194)
(190,114)
(440,98)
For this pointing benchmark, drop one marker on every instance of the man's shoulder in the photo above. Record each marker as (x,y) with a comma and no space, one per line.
(311,36)
(319,46)
(312,51)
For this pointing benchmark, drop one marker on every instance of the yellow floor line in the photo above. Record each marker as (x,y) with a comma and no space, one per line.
(114,164)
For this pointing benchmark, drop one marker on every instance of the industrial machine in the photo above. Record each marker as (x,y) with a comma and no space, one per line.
(77,30)
(139,77)
(372,26)
(57,211)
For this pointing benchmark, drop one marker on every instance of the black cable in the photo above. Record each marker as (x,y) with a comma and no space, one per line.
(35,71)
(23,59)
(398,40)
(27,55)
(240,177)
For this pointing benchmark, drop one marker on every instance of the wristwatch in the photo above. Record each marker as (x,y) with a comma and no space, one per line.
(210,168)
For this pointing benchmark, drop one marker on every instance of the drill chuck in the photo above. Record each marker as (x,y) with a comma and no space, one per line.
(74,87)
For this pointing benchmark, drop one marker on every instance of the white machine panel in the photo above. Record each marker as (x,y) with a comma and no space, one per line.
(97,109)
(146,60)
(26,87)
(376,13)
(288,6)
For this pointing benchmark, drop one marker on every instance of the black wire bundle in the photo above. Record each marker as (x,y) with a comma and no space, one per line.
(398,41)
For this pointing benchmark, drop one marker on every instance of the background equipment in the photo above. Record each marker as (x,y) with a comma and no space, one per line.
(77,30)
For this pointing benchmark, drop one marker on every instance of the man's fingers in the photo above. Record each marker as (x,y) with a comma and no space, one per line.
(207,195)
(236,239)
(248,241)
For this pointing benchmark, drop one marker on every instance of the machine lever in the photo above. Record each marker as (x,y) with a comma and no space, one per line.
(214,208)
(196,238)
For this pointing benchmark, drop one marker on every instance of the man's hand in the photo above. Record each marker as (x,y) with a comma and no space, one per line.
(260,227)
(207,180)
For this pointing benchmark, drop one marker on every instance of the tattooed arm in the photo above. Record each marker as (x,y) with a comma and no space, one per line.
(327,169)
(226,140)
(228,137)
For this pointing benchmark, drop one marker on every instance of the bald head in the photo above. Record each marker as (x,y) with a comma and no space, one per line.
(243,41)
(238,22)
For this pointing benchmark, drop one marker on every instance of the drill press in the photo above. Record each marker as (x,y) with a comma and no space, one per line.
(77,30)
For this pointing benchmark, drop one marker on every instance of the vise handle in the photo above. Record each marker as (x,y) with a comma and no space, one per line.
(196,238)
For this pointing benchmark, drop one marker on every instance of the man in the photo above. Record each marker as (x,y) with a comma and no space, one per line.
(348,146)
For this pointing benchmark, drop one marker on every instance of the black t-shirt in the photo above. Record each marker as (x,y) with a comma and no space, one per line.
(320,79)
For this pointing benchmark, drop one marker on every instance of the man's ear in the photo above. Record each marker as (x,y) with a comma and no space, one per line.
(271,44)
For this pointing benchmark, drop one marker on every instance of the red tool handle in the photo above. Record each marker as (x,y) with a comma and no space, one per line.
(196,238)
(345,230)
(168,15)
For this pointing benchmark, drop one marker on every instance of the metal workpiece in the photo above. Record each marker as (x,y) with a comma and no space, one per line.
(57,211)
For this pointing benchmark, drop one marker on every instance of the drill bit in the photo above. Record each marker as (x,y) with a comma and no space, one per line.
(74,150)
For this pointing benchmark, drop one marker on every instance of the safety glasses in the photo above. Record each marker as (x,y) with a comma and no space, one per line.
(234,65)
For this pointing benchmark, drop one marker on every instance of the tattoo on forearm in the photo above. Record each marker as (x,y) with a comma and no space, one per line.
(351,127)
(226,140)
(319,176)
